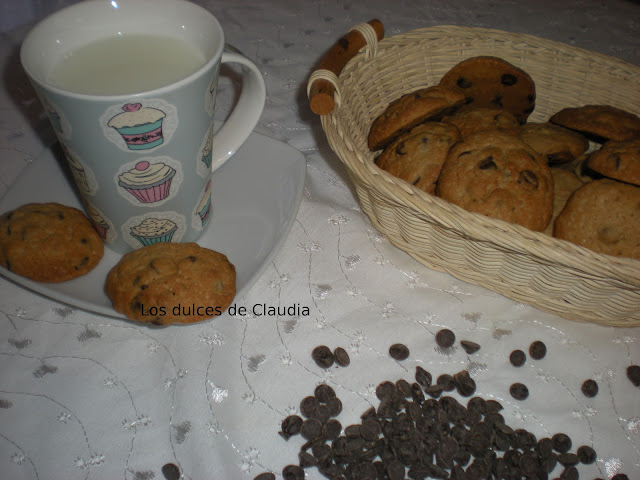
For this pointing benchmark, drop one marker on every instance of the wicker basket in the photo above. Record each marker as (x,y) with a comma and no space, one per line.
(552,275)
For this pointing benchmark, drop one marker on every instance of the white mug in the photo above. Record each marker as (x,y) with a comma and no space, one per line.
(130,89)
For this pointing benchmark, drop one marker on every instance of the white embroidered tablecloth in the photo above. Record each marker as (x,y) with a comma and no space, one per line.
(84,396)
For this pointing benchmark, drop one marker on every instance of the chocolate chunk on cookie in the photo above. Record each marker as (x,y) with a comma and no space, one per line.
(410,110)
(604,216)
(470,120)
(619,160)
(417,156)
(492,82)
(170,283)
(498,175)
(560,145)
(599,122)
(48,242)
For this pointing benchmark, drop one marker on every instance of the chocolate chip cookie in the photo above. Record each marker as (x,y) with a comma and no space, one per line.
(170,283)
(417,156)
(560,145)
(565,182)
(619,160)
(410,110)
(48,242)
(604,216)
(492,82)
(498,175)
(599,122)
(470,120)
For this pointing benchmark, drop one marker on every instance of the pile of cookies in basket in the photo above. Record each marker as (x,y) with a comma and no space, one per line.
(50,242)
(468,140)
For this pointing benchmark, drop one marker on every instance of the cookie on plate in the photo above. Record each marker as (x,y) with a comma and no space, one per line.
(493,82)
(565,182)
(410,110)
(48,242)
(417,156)
(600,122)
(619,160)
(498,175)
(560,145)
(170,283)
(604,216)
(470,120)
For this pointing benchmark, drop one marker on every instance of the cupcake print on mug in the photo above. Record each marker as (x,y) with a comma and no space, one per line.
(83,176)
(203,208)
(156,228)
(149,181)
(140,126)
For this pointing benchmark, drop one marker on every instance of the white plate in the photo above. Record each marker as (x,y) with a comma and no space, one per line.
(255,201)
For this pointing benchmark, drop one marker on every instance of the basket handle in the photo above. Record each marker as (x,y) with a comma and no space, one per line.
(321,88)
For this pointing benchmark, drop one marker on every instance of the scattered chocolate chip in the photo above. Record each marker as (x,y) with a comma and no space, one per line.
(561,443)
(519,391)
(423,377)
(311,429)
(446,382)
(517,358)
(323,393)
(323,356)
(589,388)
(290,426)
(341,357)
(465,385)
(171,471)
(398,351)
(633,374)
(537,350)
(265,476)
(620,476)
(469,347)
(570,473)
(445,338)
(293,472)
(586,454)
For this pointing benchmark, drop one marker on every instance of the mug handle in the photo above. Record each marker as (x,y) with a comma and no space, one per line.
(244,116)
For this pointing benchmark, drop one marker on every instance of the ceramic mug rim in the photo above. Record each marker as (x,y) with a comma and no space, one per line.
(56,20)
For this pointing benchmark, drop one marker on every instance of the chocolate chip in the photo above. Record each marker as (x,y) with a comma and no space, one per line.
(469,347)
(293,472)
(586,454)
(323,393)
(446,382)
(497,101)
(423,377)
(561,442)
(311,429)
(401,148)
(589,388)
(488,164)
(341,357)
(308,406)
(465,385)
(290,426)
(265,476)
(537,350)
(528,179)
(171,471)
(568,459)
(517,358)
(464,83)
(398,351)
(633,374)
(332,429)
(445,338)
(323,356)
(508,79)
(519,391)
(335,406)
(570,473)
